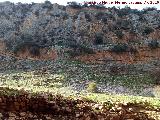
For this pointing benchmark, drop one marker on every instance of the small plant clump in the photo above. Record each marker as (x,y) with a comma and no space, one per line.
(119,34)
(147,30)
(123,24)
(99,15)
(47,4)
(153,44)
(92,87)
(98,38)
(78,50)
(104,19)
(124,11)
(118,48)
(74,5)
(155,74)
(133,50)
(88,17)
(34,50)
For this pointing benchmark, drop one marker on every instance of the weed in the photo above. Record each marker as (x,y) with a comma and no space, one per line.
(92,87)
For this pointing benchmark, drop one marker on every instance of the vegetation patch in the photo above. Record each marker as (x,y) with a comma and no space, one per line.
(88,17)
(78,50)
(119,48)
(100,15)
(98,38)
(156,76)
(74,5)
(33,48)
(147,30)
(119,34)
(153,44)
(92,87)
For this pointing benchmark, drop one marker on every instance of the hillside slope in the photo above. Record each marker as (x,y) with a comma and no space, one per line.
(28,29)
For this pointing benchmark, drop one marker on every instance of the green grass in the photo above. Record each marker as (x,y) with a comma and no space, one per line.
(82,72)
(154,102)
(31,82)
(54,83)
(129,81)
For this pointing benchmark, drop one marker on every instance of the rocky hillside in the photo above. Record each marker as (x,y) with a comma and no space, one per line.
(19,104)
(92,34)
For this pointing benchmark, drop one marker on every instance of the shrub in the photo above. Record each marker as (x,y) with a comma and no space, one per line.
(113,27)
(75,17)
(85,5)
(98,38)
(135,11)
(104,19)
(47,4)
(36,13)
(158,27)
(133,50)
(88,17)
(132,31)
(18,47)
(105,29)
(147,30)
(145,10)
(78,50)
(119,48)
(74,5)
(33,47)
(26,37)
(124,11)
(123,24)
(153,44)
(99,15)
(110,16)
(100,6)
(65,16)
(155,74)
(116,69)
(34,50)
(119,34)
(92,87)
(86,50)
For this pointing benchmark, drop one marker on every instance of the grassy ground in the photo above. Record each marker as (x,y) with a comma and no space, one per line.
(45,82)
(38,81)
